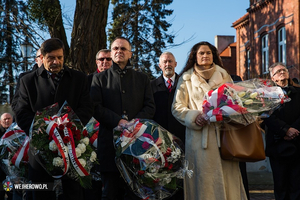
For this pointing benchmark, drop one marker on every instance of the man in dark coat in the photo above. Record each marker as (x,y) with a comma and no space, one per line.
(52,83)
(163,89)
(103,62)
(119,94)
(282,137)
(163,96)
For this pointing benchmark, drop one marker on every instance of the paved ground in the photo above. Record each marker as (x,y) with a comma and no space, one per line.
(261,186)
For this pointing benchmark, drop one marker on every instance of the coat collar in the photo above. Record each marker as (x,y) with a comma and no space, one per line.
(215,81)
(161,80)
(41,70)
(116,68)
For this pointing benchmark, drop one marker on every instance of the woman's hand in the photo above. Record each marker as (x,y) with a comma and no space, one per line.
(201,120)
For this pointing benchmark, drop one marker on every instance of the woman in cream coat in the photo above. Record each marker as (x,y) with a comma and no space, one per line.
(213,178)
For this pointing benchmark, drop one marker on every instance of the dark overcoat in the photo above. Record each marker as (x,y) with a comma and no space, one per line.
(118,93)
(285,117)
(37,91)
(163,102)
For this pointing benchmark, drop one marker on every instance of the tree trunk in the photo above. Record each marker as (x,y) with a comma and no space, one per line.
(55,23)
(88,34)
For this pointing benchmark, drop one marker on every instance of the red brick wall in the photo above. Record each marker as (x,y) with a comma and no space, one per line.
(268,16)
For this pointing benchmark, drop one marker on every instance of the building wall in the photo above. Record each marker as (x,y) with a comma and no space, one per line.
(266,17)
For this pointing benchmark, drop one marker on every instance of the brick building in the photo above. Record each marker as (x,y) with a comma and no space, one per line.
(267,33)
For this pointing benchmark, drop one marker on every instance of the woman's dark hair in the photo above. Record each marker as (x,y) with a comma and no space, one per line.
(192,59)
(51,44)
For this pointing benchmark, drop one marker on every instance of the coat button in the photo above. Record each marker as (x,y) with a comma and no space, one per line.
(123,91)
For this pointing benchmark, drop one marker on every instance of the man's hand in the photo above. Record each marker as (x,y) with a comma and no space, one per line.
(292,133)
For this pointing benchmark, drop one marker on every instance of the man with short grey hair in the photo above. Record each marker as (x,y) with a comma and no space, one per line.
(282,137)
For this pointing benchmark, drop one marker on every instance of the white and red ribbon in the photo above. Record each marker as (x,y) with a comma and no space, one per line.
(214,99)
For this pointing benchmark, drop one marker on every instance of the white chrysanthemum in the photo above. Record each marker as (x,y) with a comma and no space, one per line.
(82,147)
(82,162)
(85,141)
(153,169)
(93,156)
(58,162)
(78,152)
(165,181)
(53,146)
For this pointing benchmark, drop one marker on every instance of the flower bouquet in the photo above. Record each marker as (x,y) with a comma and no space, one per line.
(61,145)
(149,159)
(14,146)
(92,128)
(242,102)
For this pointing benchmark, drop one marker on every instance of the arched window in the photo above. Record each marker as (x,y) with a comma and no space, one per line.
(281,45)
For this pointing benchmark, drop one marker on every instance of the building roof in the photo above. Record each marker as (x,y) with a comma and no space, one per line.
(226,52)
(241,20)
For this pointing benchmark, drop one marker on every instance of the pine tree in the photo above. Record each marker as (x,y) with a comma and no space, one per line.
(13,30)
(144,24)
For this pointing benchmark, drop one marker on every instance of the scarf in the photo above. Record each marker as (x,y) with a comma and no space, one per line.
(206,73)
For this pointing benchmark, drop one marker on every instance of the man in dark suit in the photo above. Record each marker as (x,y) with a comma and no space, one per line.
(103,62)
(52,83)
(163,89)
(119,94)
(282,137)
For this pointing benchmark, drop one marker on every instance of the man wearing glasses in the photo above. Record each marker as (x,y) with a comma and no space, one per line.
(119,94)
(282,137)
(103,62)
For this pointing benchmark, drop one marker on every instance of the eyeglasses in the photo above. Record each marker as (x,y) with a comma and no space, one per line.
(102,59)
(283,70)
(119,48)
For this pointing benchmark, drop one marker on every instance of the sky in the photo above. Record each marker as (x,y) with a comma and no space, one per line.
(200,19)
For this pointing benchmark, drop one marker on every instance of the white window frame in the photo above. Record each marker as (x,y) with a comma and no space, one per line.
(248,63)
(265,53)
(282,45)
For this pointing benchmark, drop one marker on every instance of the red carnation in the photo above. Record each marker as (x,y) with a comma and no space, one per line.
(168,152)
(66,139)
(69,125)
(170,166)
(61,127)
(156,180)
(136,161)
(77,136)
(141,172)
(84,133)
